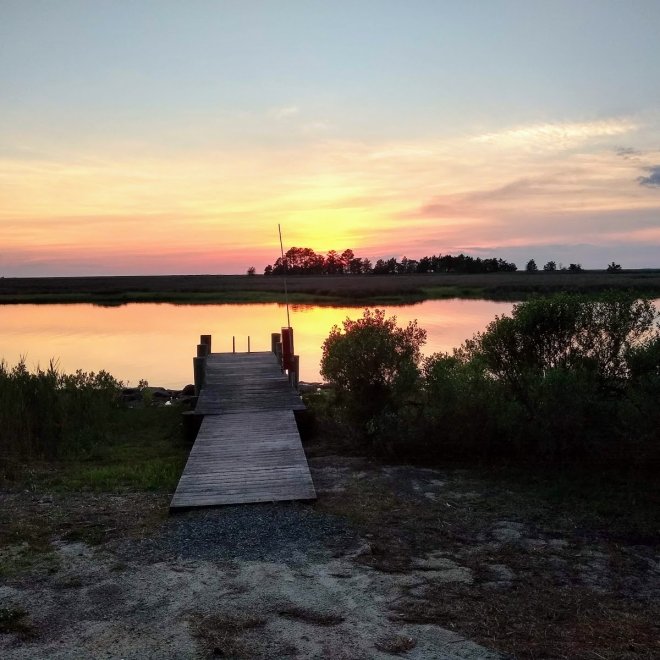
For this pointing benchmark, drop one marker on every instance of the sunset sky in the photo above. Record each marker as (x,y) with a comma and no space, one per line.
(172,137)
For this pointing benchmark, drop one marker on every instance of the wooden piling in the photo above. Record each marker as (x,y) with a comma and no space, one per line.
(199,372)
(278,352)
(233,344)
(202,350)
(205,339)
(294,372)
(275,338)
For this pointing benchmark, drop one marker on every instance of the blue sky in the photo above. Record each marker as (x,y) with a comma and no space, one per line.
(173,137)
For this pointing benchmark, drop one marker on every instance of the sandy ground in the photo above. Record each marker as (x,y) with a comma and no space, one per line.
(112,576)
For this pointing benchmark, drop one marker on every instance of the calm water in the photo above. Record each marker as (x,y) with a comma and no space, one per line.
(157,341)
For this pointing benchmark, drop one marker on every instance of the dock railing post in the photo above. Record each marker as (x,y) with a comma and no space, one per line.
(278,352)
(294,372)
(205,339)
(275,339)
(199,372)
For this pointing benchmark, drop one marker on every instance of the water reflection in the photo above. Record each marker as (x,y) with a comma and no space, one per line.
(157,341)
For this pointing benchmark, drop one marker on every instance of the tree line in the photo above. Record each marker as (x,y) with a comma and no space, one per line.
(304,261)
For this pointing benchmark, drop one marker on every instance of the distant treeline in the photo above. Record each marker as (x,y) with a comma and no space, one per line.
(304,261)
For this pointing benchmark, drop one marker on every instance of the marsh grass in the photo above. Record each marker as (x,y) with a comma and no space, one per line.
(49,414)
(326,289)
(70,432)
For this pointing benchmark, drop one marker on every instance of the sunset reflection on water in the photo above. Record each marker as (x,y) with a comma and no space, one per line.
(156,342)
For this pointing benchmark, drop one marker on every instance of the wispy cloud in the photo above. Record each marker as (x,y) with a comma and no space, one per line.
(653,179)
(628,153)
(555,136)
(315,128)
(284,112)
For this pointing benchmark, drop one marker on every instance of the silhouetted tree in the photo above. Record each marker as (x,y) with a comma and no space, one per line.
(380,267)
(345,259)
(614,268)
(575,268)
(551,265)
(251,271)
(531,266)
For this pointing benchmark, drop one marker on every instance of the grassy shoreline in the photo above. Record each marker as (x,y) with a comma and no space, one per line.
(321,290)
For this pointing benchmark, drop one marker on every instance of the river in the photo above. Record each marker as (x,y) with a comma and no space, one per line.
(156,342)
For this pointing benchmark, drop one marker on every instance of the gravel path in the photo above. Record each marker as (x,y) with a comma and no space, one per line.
(292,533)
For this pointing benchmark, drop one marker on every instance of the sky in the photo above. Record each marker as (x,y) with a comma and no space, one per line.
(163,137)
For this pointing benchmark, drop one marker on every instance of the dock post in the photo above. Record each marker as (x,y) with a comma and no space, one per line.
(275,339)
(248,343)
(233,344)
(278,352)
(294,373)
(202,350)
(199,371)
(205,339)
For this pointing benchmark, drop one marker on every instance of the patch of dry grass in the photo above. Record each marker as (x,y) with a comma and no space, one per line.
(15,621)
(309,615)
(221,634)
(541,620)
(396,644)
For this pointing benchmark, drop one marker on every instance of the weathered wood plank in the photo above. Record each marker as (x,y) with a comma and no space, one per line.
(248,447)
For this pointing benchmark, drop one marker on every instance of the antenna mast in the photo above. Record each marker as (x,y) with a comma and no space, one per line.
(286,292)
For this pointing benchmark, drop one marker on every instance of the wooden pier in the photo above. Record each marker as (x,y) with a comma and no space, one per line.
(248,448)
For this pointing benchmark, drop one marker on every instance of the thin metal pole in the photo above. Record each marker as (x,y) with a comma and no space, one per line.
(286,293)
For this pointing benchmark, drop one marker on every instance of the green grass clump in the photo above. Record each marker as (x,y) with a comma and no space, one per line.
(144,451)
(49,414)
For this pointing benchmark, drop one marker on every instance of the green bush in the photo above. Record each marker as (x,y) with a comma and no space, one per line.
(563,379)
(566,361)
(374,367)
(463,408)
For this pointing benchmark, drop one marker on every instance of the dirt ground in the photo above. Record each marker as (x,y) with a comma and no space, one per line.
(390,560)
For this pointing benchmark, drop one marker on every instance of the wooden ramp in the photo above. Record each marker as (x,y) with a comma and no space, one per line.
(248,448)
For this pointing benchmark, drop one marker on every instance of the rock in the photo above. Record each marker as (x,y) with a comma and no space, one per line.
(161,393)
(188,390)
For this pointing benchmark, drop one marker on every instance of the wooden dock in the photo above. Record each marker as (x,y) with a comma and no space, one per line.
(248,447)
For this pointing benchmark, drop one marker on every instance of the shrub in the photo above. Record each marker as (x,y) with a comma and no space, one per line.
(563,378)
(374,367)
(640,414)
(463,408)
(567,361)
(565,330)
